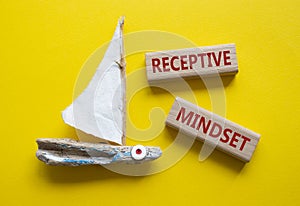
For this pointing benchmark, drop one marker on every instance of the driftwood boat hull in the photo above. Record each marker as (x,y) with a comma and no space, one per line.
(68,152)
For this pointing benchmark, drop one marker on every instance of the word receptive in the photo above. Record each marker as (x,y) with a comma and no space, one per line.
(195,121)
(191,63)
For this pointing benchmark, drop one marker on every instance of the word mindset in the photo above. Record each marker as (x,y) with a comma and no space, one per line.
(193,62)
(196,121)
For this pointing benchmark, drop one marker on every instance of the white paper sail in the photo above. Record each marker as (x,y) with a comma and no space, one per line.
(100,109)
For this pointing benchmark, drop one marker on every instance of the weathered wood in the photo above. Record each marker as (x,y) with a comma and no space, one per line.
(191,63)
(230,137)
(69,152)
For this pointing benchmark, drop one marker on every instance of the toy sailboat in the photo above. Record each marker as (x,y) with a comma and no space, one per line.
(99,111)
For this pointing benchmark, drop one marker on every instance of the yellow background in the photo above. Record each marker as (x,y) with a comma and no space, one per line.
(43,45)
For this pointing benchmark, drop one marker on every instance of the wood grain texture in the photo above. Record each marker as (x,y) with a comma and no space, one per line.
(191,63)
(68,152)
(122,66)
(230,137)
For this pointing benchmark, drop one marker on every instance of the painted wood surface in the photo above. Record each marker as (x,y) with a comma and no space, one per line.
(68,152)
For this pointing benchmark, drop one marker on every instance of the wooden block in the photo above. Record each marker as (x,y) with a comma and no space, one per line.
(191,63)
(198,122)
